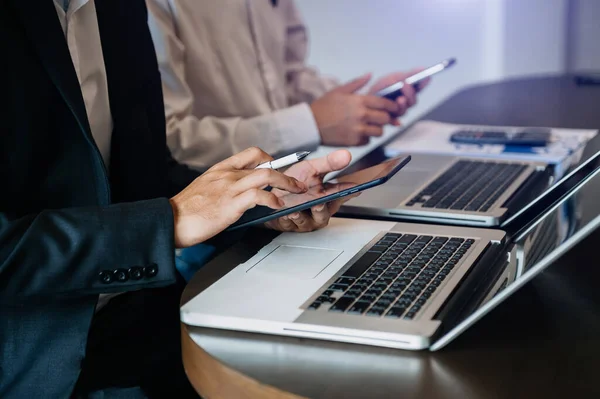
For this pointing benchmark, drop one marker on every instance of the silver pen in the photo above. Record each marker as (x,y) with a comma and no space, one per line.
(285,161)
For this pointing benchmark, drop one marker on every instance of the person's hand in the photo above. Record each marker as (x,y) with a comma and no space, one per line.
(409,97)
(311,173)
(220,196)
(346,118)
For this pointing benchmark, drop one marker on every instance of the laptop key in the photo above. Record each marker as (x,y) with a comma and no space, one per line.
(326,299)
(375,311)
(337,288)
(361,286)
(430,289)
(395,236)
(383,303)
(395,312)
(341,304)
(424,239)
(394,252)
(387,280)
(354,292)
(359,307)
(406,239)
(378,248)
(344,280)
(409,316)
(361,265)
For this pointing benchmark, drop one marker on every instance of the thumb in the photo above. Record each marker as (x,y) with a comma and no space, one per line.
(354,85)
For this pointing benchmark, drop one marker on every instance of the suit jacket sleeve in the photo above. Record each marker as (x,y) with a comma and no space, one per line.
(64,252)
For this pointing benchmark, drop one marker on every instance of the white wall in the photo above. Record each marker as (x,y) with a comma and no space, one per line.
(586,35)
(492,39)
(535,37)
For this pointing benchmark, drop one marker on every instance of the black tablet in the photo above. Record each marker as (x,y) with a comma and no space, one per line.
(332,190)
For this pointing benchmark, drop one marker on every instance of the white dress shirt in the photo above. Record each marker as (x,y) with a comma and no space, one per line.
(80,26)
(234,76)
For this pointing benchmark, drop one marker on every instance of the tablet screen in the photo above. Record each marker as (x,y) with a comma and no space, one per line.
(333,189)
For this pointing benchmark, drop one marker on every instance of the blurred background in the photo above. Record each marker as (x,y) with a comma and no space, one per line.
(492,39)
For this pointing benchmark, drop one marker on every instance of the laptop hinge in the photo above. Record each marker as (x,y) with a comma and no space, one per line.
(474,287)
(531,188)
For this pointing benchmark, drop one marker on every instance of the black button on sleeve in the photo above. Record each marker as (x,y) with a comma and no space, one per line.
(121,275)
(151,270)
(105,277)
(136,272)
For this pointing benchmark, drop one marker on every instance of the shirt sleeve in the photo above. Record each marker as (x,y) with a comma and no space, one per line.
(304,83)
(202,142)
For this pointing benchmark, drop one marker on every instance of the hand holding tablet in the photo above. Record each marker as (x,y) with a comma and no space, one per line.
(325,192)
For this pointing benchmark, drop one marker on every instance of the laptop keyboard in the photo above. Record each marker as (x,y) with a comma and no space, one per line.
(396,277)
(469,185)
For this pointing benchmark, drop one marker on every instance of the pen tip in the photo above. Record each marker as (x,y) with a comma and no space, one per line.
(303,154)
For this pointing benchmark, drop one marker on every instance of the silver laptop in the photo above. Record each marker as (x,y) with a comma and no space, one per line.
(453,190)
(397,285)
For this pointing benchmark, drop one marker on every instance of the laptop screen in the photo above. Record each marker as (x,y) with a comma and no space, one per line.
(563,217)
(532,214)
(574,212)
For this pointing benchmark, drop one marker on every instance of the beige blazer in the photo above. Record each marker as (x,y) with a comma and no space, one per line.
(234,76)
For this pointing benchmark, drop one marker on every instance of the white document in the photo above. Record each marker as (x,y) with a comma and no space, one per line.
(434,137)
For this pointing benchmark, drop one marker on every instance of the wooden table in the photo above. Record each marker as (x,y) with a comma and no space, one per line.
(544,342)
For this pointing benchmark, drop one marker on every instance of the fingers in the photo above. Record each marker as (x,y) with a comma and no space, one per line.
(402,105)
(311,172)
(321,214)
(363,133)
(354,85)
(303,221)
(262,178)
(380,103)
(358,140)
(371,130)
(284,223)
(247,159)
(316,218)
(377,117)
(253,197)
(410,95)
(334,161)
(335,206)
(421,84)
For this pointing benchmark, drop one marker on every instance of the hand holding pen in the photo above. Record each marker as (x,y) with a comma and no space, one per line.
(285,161)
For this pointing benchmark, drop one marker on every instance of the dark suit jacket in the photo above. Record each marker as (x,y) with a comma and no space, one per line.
(65,221)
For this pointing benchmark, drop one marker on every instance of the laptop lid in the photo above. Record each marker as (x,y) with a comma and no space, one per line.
(532,214)
(569,211)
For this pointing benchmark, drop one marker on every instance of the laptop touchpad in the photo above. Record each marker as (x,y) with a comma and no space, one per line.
(297,262)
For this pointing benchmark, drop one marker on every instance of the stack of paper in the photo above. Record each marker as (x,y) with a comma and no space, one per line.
(564,150)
